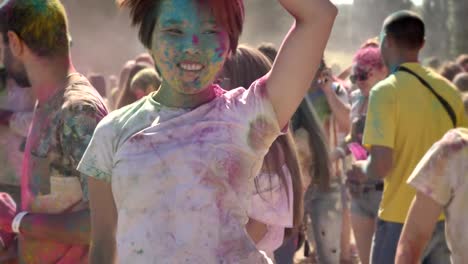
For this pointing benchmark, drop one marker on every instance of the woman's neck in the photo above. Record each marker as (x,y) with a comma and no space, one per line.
(170,97)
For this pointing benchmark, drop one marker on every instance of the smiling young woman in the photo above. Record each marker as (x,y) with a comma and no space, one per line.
(171,175)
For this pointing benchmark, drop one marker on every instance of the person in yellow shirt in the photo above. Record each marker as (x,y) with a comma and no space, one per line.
(408,111)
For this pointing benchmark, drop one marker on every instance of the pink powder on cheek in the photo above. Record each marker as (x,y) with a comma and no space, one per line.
(195,40)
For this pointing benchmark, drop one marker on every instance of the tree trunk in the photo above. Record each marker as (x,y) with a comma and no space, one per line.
(458,10)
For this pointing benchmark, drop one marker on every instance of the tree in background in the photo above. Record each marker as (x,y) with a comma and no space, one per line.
(435,14)
(458,25)
(368,15)
(265,20)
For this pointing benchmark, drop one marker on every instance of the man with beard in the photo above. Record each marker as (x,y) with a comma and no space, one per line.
(52,222)
(16,107)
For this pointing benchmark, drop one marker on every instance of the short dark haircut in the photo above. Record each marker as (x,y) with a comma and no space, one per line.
(461,81)
(41,24)
(269,50)
(228,13)
(406,28)
(450,69)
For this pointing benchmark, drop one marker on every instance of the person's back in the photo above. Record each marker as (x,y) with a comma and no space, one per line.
(418,120)
(405,117)
(52,223)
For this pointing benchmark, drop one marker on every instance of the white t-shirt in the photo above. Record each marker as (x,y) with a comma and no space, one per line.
(442,174)
(182,179)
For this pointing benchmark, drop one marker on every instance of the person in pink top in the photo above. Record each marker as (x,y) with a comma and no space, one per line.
(367,70)
(171,175)
(52,223)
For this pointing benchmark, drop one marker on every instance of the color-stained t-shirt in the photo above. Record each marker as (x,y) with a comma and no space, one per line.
(60,132)
(182,179)
(405,116)
(443,175)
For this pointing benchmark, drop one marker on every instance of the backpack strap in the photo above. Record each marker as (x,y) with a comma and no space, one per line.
(444,103)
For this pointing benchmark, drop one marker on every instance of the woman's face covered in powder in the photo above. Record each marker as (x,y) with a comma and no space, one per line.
(188,46)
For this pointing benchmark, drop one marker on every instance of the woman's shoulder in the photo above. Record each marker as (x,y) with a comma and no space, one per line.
(123,119)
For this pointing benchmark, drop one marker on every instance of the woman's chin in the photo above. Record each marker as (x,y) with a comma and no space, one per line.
(194,90)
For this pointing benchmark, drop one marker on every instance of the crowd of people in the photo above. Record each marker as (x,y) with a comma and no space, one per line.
(204,150)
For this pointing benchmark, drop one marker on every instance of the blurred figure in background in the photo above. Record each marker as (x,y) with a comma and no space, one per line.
(113,83)
(123,78)
(145,82)
(461,82)
(450,69)
(465,102)
(276,205)
(145,58)
(367,70)
(432,62)
(126,96)
(269,50)
(462,60)
(405,116)
(327,218)
(99,83)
